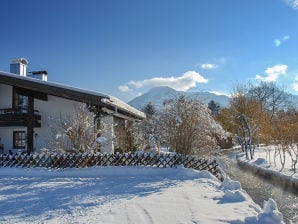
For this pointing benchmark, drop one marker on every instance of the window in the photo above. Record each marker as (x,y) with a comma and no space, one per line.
(19,139)
(20,102)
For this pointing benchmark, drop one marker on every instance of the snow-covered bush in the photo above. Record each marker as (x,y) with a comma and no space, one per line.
(189,126)
(183,125)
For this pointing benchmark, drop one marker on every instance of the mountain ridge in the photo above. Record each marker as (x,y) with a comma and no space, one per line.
(157,95)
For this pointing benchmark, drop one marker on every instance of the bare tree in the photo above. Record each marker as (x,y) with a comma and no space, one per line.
(260,114)
(271,97)
(245,111)
(284,135)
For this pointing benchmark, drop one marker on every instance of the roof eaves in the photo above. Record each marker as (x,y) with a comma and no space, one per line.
(103,98)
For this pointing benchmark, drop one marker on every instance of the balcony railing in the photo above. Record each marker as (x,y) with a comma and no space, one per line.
(17,117)
(14,111)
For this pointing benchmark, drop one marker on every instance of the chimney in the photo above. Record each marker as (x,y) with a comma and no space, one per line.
(19,66)
(42,75)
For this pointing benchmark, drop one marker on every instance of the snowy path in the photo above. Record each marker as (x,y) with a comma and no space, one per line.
(184,203)
(121,195)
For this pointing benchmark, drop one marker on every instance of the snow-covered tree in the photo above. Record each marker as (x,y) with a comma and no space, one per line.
(147,132)
(188,126)
(149,109)
(184,125)
(75,133)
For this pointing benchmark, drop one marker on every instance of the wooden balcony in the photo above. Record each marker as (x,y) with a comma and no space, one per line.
(10,117)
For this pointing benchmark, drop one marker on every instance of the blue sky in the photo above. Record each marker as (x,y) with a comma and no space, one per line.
(124,48)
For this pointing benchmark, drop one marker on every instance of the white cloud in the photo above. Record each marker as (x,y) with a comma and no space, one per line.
(278,42)
(286,37)
(213,63)
(136,84)
(277,69)
(273,73)
(295,85)
(209,66)
(139,94)
(220,93)
(184,82)
(292,3)
(124,88)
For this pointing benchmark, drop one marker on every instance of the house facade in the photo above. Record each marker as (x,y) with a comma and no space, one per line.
(29,105)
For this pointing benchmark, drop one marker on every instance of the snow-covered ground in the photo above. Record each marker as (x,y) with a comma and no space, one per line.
(264,158)
(126,195)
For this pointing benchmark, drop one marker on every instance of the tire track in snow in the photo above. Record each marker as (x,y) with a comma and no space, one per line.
(189,201)
(146,213)
(127,215)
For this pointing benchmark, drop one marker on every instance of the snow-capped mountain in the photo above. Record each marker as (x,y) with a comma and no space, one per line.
(157,96)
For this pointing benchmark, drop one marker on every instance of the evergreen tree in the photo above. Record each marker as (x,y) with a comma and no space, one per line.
(214,107)
(149,109)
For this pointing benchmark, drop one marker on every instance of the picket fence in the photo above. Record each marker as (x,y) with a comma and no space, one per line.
(81,160)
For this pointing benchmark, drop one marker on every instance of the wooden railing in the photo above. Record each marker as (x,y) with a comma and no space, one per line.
(61,161)
(17,117)
(14,111)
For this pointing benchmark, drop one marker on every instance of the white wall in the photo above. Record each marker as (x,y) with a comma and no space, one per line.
(55,108)
(6,135)
(51,111)
(6,102)
(5,96)
(107,125)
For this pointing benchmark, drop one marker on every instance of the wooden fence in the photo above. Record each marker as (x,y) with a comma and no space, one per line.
(61,161)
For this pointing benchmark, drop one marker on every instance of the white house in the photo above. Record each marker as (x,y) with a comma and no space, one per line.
(27,102)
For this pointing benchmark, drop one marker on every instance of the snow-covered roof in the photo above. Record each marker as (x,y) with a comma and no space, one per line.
(20,60)
(119,103)
(70,92)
